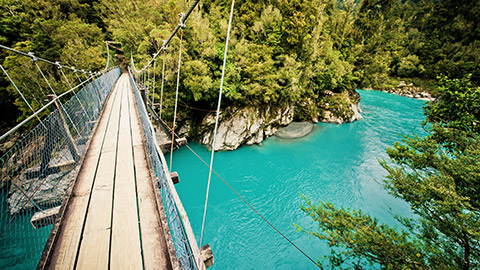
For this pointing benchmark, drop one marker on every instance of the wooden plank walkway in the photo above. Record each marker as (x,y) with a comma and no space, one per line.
(112,220)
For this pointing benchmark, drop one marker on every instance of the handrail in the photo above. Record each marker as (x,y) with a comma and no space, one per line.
(40,110)
(171,194)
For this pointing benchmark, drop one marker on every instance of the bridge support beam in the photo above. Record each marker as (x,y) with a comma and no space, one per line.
(207,255)
(175,178)
(165,146)
(44,218)
(68,136)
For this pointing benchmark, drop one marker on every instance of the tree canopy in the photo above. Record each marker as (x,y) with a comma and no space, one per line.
(439,177)
(282,51)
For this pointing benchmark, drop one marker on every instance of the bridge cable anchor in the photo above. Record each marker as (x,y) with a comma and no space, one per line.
(182,22)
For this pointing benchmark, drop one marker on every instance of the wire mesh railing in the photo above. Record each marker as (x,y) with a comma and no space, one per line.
(182,245)
(36,172)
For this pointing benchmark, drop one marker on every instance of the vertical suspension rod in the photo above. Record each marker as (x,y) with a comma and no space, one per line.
(163,80)
(74,93)
(216,119)
(176,93)
(61,104)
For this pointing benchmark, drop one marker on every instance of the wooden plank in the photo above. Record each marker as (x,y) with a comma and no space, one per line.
(155,249)
(69,235)
(44,218)
(63,167)
(125,242)
(95,244)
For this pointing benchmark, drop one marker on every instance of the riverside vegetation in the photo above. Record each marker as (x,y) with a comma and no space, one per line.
(302,59)
(309,55)
(438,176)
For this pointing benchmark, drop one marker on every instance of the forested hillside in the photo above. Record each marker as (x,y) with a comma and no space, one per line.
(298,52)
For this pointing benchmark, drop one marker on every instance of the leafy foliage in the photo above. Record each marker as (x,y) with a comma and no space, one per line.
(56,30)
(281,51)
(439,177)
(359,241)
(458,105)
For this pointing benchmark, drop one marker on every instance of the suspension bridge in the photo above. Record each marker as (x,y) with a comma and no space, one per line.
(88,187)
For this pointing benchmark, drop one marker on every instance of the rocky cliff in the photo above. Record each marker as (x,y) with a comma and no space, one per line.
(252,125)
(238,126)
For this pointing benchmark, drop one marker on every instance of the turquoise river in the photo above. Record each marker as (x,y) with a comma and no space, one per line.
(336,163)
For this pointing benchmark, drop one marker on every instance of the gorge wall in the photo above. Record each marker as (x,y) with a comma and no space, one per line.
(251,125)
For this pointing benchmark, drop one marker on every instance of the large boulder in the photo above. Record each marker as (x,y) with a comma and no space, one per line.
(249,125)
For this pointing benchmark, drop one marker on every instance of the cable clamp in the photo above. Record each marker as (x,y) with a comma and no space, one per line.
(34,58)
(164,46)
(58,65)
(182,22)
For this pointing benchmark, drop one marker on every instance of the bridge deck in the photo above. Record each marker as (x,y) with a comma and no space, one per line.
(112,219)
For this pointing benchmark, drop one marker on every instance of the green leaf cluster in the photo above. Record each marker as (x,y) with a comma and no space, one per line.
(59,30)
(281,51)
(439,177)
(359,241)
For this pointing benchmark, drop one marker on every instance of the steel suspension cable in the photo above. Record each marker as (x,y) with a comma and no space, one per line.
(74,93)
(31,56)
(176,91)
(163,80)
(38,111)
(216,119)
(148,81)
(148,78)
(78,77)
(24,99)
(154,70)
(174,32)
(94,86)
(29,197)
(51,88)
(253,208)
(153,75)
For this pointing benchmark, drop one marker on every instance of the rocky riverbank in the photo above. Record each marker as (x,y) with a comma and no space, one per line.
(251,125)
(411,91)
(340,108)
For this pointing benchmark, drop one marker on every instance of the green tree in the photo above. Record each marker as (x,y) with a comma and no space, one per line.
(457,105)
(439,177)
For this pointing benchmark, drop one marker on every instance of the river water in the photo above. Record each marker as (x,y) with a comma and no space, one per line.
(335,163)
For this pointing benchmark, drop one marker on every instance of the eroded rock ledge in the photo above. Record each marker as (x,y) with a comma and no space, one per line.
(295,130)
(252,125)
(411,91)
